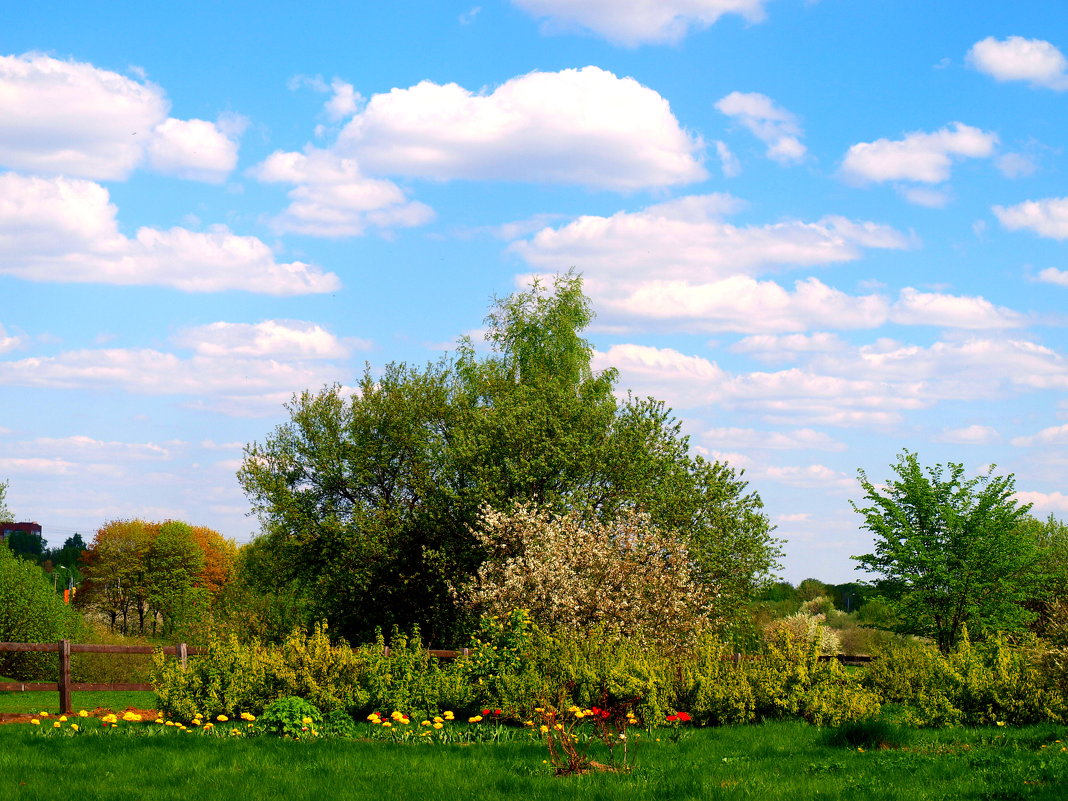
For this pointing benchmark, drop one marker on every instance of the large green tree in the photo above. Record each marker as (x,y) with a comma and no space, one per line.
(368,498)
(949,550)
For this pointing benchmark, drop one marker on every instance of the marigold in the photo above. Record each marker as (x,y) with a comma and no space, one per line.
(83,714)
(448,715)
(438,725)
(474,719)
(74,727)
(222,718)
(35,722)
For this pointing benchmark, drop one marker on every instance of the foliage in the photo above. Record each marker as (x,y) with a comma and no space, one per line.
(975,684)
(154,577)
(870,734)
(30,611)
(236,676)
(5,513)
(807,627)
(623,575)
(949,550)
(27,544)
(370,498)
(291,716)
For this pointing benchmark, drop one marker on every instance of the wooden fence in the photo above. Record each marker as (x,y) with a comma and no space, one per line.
(182,651)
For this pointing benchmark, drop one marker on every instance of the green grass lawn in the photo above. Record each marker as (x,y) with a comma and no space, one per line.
(789,761)
(49,702)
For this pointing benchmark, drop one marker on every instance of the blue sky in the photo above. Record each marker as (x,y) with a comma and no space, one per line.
(822,231)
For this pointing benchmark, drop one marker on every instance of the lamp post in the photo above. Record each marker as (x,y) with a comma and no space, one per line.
(55,576)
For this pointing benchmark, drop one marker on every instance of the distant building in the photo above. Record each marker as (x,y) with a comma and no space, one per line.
(26,528)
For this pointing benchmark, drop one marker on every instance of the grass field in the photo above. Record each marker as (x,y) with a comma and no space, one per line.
(789,761)
(11,703)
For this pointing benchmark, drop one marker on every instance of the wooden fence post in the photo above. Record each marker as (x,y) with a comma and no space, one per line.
(65,705)
(182,653)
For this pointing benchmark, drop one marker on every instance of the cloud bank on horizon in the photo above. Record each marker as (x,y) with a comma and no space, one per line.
(816,258)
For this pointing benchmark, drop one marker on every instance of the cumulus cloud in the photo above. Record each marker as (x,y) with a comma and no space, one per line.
(1018,59)
(872,385)
(686,239)
(951,311)
(729,163)
(776,127)
(577,126)
(813,476)
(1054,435)
(798,439)
(969,435)
(332,198)
(921,157)
(635,22)
(1046,502)
(10,342)
(71,118)
(293,339)
(1047,217)
(65,230)
(1051,275)
(240,386)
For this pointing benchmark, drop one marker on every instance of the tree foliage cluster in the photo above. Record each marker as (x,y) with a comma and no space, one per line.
(369,498)
(953,552)
(145,577)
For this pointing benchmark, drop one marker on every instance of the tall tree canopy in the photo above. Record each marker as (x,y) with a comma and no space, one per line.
(368,498)
(950,550)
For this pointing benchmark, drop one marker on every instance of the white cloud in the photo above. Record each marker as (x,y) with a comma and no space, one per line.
(577,126)
(745,305)
(925,196)
(1046,502)
(635,22)
(81,447)
(194,149)
(788,347)
(773,125)
(1051,275)
(65,230)
(798,439)
(1018,59)
(1054,435)
(293,339)
(814,476)
(10,341)
(969,435)
(333,199)
(344,100)
(1047,217)
(231,384)
(951,311)
(922,157)
(685,240)
(729,163)
(1016,165)
(71,118)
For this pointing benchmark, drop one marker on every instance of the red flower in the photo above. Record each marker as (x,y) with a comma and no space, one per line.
(497,712)
(672,718)
(485,712)
(684,717)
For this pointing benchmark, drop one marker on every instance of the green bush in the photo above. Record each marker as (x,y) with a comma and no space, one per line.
(869,734)
(291,717)
(30,611)
(975,684)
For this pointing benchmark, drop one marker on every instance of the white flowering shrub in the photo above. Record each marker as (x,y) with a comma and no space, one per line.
(623,575)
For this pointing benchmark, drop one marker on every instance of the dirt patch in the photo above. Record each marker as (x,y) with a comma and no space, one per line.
(99,712)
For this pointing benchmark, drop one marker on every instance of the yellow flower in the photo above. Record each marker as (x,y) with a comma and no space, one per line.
(437,720)
(580,714)
(373,717)
(43,714)
(474,719)
(170,723)
(131,717)
(306,721)
(196,722)
(438,725)
(386,724)
(425,723)
(559,726)
(538,709)
(448,715)
(56,725)
(83,714)
(159,720)
(35,722)
(543,728)
(248,716)
(397,715)
(209,725)
(63,719)
(74,727)
(222,718)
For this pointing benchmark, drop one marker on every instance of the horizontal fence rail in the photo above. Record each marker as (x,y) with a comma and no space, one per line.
(182,651)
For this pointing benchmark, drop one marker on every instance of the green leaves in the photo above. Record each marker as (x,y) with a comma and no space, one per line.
(368,498)
(949,549)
